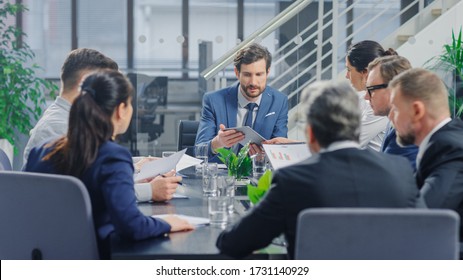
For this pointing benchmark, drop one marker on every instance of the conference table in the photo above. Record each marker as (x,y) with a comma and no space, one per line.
(195,244)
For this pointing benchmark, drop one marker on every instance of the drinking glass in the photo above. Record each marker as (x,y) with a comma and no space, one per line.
(259,165)
(201,152)
(218,211)
(209,182)
(226,187)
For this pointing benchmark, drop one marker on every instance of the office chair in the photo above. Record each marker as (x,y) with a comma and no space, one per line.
(5,163)
(45,216)
(377,234)
(150,94)
(187,131)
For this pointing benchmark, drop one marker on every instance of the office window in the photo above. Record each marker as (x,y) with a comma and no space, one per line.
(48,28)
(215,21)
(158,37)
(102,25)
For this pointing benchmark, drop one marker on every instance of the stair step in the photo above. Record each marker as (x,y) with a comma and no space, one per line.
(403,38)
(436,12)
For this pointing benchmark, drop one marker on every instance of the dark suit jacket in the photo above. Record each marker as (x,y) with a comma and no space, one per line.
(343,178)
(221,107)
(440,172)
(109,181)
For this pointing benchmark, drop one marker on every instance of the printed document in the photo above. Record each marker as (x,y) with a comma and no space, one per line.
(281,155)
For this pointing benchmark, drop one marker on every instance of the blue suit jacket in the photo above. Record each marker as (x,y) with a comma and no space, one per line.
(109,182)
(390,146)
(221,107)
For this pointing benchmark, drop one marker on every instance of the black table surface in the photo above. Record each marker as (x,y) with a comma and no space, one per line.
(196,244)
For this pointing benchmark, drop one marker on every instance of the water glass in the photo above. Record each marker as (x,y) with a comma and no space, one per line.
(218,210)
(226,187)
(201,152)
(209,183)
(259,165)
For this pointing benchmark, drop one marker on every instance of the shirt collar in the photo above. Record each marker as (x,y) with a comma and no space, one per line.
(425,142)
(339,145)
(63,103)
(242,101)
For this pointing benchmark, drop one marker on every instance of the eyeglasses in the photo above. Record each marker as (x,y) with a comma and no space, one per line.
(370,89)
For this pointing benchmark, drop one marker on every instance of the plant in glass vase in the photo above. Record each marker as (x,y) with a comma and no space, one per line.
(239,165)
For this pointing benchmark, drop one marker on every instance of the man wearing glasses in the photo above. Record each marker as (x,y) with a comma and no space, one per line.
(380,72)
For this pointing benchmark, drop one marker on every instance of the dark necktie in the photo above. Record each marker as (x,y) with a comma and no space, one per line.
(248,120)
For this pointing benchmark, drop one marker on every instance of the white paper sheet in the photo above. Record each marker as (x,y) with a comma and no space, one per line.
(187,161)
(281,155)
(160,166)
(196,221)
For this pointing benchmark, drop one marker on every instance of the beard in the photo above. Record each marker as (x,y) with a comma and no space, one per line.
(405,140)
(248,93)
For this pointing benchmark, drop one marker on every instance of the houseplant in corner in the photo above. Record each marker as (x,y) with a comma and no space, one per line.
(449,64)
(21,91)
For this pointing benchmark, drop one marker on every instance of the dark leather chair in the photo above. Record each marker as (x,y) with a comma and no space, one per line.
(187,136)
(377,234)
(5,163)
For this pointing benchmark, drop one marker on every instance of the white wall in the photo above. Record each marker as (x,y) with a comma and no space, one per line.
(428,42)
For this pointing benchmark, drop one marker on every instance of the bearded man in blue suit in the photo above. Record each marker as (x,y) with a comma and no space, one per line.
(250,102)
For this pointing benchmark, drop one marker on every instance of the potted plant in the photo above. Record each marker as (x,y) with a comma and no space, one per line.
(21,91)
(239,165)
(450,65)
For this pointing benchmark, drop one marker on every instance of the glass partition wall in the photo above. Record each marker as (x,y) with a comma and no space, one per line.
(164,46)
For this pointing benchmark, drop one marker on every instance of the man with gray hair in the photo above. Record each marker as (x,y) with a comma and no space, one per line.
(420,113)
(338,174)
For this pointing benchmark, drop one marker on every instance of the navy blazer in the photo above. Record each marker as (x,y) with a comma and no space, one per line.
(221,107)
(390,146)
(344,178)
(440,171)
(109,181)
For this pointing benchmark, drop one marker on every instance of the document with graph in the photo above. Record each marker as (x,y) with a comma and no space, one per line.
(281,155)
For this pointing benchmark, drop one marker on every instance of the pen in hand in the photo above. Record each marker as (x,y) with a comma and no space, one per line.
(164,176)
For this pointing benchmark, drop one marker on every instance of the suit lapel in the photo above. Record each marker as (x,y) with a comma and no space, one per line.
(263,109)
(231,105)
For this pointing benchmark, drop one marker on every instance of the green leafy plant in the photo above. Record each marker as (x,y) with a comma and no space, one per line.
(238,165)
(450,61)
(21,91)
(255,193)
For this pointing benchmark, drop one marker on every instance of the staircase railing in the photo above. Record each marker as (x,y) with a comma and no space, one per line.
(317,51)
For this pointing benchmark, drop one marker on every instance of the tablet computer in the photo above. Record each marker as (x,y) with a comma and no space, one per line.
(250,135)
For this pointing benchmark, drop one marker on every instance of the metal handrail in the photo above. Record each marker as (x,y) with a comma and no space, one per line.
(262,32)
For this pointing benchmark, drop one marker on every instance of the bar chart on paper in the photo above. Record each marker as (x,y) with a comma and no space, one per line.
(281,155)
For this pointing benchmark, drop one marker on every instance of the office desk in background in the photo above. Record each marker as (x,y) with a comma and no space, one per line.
(196,244)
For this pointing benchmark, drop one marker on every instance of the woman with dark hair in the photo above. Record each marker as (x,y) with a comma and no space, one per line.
(102,111)
(359,55)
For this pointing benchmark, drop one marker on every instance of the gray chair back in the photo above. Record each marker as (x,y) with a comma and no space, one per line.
(377,234)
(45,216)
(5,163)
(187,131)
